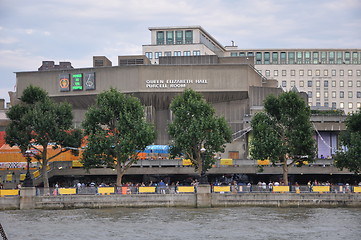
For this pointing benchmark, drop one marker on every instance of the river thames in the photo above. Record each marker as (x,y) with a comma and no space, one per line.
(184,223)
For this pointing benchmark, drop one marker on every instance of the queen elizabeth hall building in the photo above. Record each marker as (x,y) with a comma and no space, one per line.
(230,84)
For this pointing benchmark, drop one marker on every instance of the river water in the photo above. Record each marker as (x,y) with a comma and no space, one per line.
(249,223)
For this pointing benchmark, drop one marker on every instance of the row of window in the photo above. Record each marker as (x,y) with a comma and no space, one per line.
(304,57)
(333,94)
(310,83)
(149,55)
(174,37)
(334,105)
(311,72)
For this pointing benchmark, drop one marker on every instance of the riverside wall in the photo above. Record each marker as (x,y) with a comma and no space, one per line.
(188,200)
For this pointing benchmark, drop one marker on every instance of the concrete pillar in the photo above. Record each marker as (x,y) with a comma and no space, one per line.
(203,196)
(27,197)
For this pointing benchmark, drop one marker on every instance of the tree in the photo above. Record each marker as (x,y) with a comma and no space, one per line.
(351,142)
(195,128)
(37,122)
(283,132)
(116,129)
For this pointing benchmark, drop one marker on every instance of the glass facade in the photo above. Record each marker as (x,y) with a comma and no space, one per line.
(189,36)
(160,38)
(179,37)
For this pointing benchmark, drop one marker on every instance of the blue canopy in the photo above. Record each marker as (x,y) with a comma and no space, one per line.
(157,149)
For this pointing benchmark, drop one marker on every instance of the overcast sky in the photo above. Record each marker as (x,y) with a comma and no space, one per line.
(32,31)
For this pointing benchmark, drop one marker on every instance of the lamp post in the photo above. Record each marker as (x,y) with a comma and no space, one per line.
(204,178)
(28,182)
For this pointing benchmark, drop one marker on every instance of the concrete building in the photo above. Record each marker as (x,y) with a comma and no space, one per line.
(330,77)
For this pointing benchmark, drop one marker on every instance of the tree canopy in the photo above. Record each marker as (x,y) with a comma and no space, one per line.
(350,156)
(283,133)
(37,122)
(194,127)
(116,129)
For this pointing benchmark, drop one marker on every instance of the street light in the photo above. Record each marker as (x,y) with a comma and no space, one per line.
(204,178)
(28,182)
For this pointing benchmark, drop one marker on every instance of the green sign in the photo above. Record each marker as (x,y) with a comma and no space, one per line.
(77,82)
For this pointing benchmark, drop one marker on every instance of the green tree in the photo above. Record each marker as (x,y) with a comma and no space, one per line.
(350,158)
(116,129)
(283,132)
(197,133)
(37,122)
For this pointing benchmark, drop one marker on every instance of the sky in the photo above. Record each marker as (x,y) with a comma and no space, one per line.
(32,31)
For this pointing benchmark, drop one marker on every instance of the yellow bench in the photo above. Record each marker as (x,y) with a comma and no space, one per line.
(281,189)
(9,192)
(66,191)
(105,190)
(146,190)
(221,188)
(321,189)
(185,189)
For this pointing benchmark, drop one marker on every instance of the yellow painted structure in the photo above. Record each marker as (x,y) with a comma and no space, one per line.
(357,189)
(226,161)
(76,163)
(321,189)
(105,190)
(263,162)
(281,189)
(146,190)
(65,191)
(9,192)
(221,188)
(22,176)
(185,189)
(187,162)
(9,177)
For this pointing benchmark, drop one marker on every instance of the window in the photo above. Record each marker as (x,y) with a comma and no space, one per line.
(157,55)
(283,58)
(177,53)
(358,94)
(307,57)
(293,83)
(333,94)
(326,104)
(267,73)
(342,94)
(339,57)
(349,83)
(293,72)
(258,58)
(341,83)
(167,54)
(333,72)
(233,54)
(349,72)
(342,105)
(323,57)
(186,53)
(318,72)
(333,83)
(299,57)
(358,72)
(315,57)
(170,37)
(309,93)
(318,104)
(341,72)
(325,72)
(189,36)
(284,73)
(266,58)
(358,83)
(291,57)
(179,37)
(318,83)
(149,55)
(325,83)
(358,105)
(301,73)
(350,105)
(302,83)
(354,58)
(197,53)
(250,54)
(284,84)
(331,58)
(309,72)
(334,105)
(325,94)
(242,54)
(160,38)
(318,94)
(347,57)
(309,83)
(275,73)
(350,94)
(275,57)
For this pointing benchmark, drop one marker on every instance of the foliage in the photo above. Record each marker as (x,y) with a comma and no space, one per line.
(38,121)
(116,129)
(351,141)
(283,131)
(195,126)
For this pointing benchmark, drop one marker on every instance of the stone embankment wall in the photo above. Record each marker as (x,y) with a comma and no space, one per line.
(186,200)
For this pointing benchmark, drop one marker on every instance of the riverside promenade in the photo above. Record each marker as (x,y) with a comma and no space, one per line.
(202,197)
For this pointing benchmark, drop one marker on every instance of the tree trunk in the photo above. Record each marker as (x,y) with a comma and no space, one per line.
(44,170)
(120,173)
(285,171)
